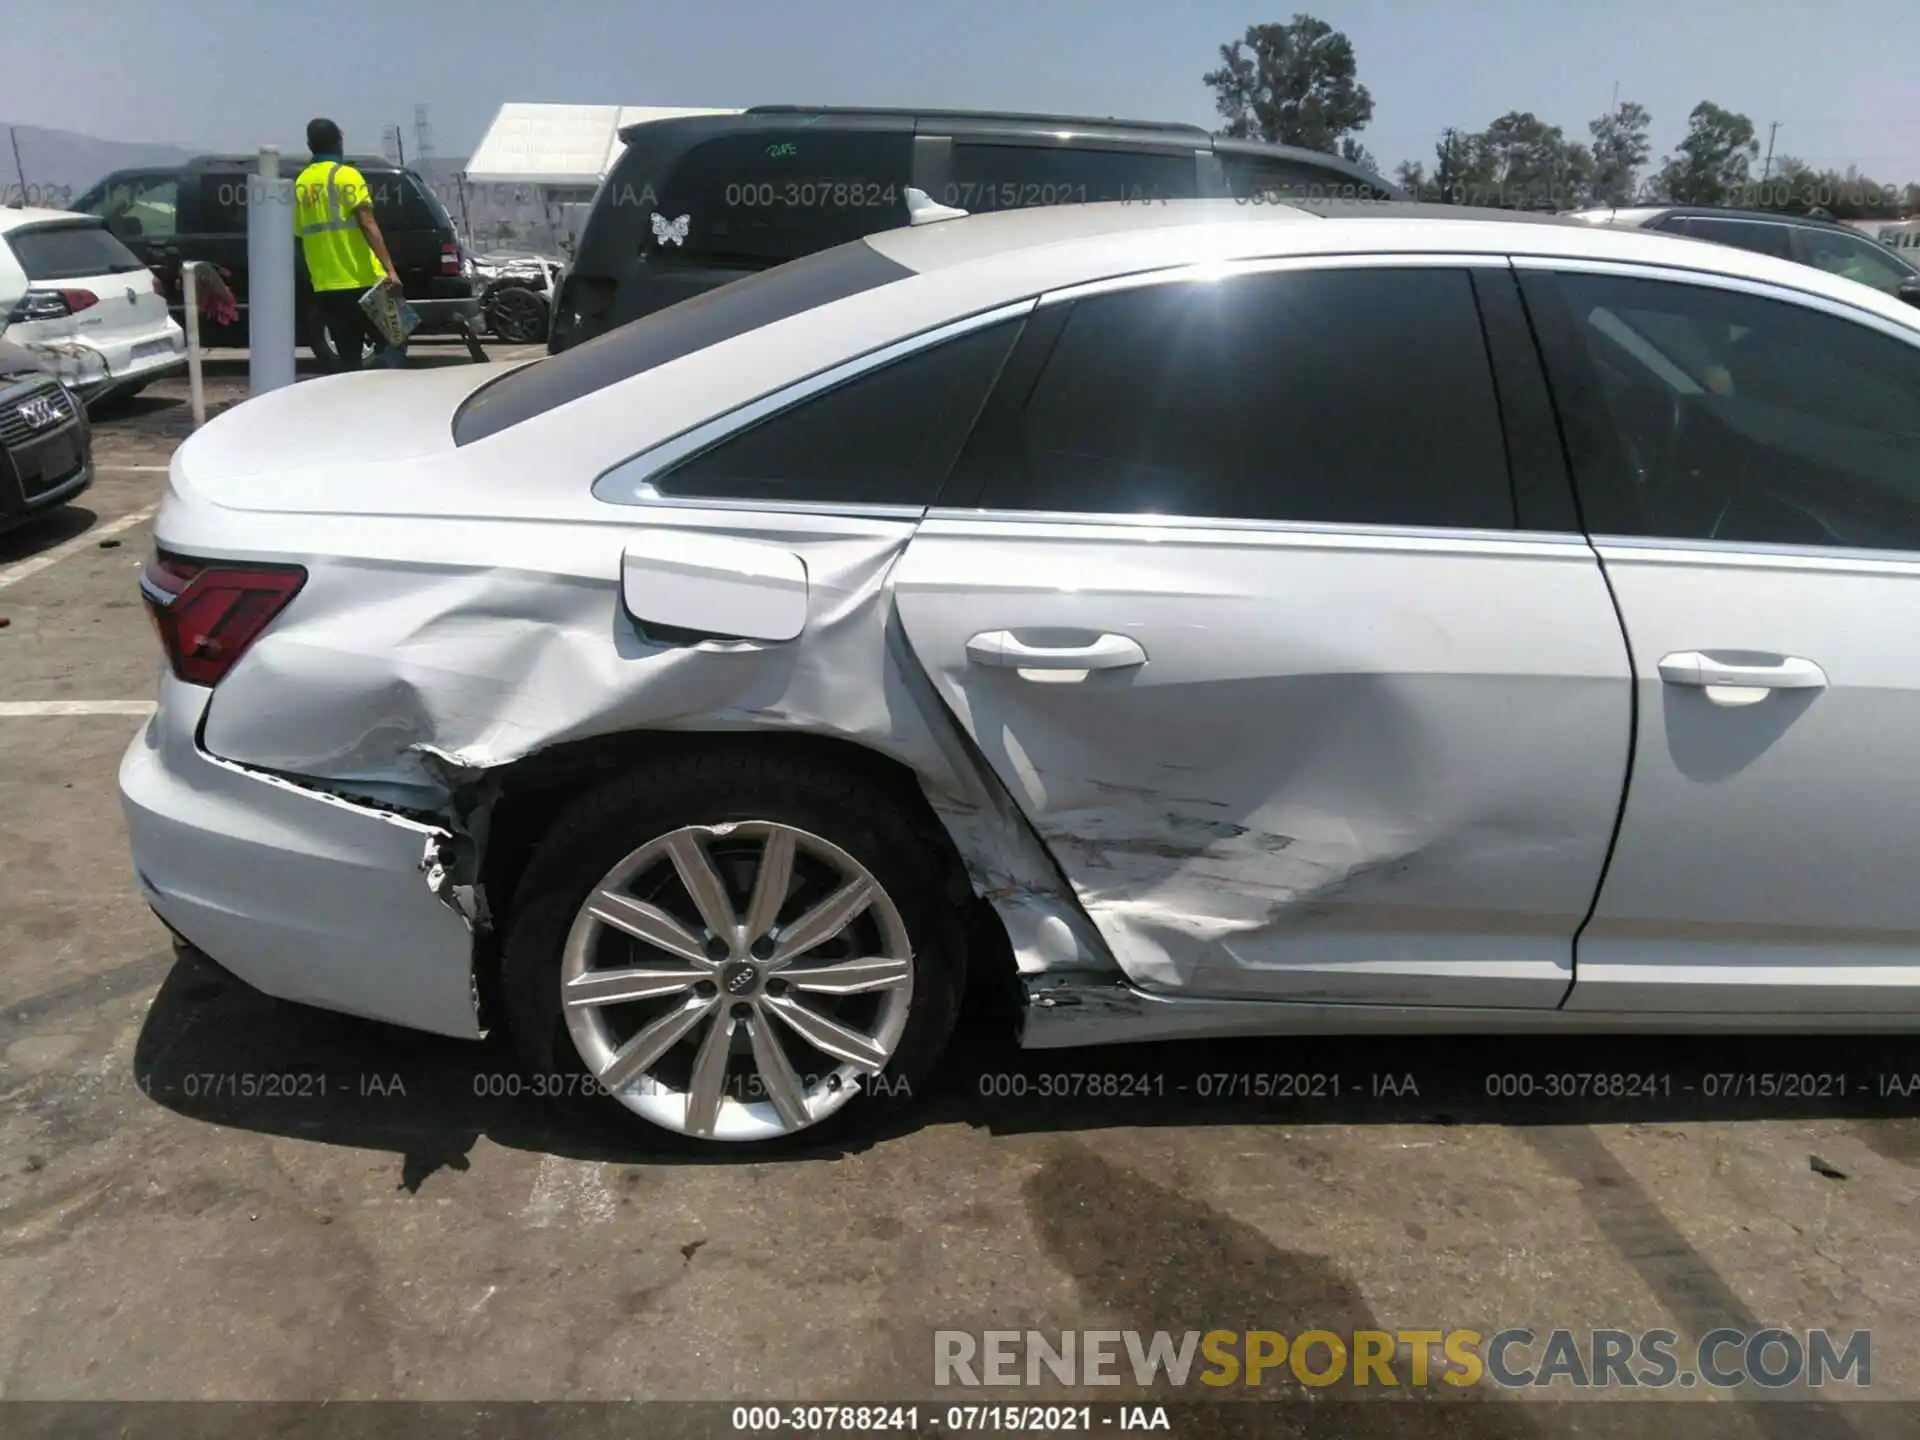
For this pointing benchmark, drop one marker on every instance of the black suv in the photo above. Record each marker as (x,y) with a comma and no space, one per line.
(695,202)
(1824,244)
(198,211)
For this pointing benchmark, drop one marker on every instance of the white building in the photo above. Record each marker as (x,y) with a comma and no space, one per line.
(561,152)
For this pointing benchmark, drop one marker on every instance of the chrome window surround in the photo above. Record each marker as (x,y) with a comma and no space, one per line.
(631,481)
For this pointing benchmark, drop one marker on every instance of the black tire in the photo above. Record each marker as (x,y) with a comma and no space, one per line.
(517,314)
(732,782)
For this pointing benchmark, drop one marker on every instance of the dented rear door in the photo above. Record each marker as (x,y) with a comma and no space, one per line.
(1229,589)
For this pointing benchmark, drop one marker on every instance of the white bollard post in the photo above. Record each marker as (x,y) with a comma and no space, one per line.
(189,276)
(269,276)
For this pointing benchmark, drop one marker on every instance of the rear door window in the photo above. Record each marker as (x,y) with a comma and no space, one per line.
(1012,177)
(1335,396)
(757,197)
(70,252)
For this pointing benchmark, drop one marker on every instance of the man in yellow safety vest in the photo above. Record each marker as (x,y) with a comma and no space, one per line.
(345,252)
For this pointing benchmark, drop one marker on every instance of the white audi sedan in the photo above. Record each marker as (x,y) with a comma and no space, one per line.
(1203,619)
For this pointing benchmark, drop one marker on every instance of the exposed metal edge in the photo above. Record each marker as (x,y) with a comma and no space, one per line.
(631,481)
(1065,1011)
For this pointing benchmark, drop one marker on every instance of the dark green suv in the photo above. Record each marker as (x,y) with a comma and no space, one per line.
(698,201)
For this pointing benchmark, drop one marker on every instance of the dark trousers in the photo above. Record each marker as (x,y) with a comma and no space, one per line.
(347,327)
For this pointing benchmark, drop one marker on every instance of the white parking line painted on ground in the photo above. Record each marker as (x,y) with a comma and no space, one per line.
(19,571)
(22,709)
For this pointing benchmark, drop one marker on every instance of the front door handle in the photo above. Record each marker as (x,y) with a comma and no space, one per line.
(1005,650)
(1790,672)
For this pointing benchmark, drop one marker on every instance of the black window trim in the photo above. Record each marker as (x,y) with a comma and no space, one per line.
(630,481)
(1567,364)
(964,503)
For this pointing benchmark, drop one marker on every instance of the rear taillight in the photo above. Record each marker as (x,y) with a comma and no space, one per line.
(50,305)
(449,259)
(207,614)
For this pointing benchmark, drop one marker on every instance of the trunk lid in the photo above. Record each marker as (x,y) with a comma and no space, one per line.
(331,444)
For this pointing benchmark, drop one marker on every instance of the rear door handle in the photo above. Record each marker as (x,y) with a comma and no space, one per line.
(1692,667)
(1005,650)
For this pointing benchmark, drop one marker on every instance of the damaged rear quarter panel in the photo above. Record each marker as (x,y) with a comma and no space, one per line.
(422,656)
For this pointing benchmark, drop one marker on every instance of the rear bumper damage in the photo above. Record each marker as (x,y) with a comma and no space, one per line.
(304,895)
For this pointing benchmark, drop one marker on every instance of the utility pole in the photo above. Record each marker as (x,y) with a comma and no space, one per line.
(1445,177)
(14,136)
(1766,171)
(422,135)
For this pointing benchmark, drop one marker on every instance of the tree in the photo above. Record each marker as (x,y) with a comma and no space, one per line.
(1715,158)
(1411,176)
(1291,84)
(1519,162)
(1352,150)
(1620,148)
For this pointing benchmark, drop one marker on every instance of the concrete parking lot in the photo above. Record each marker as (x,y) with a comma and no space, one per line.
(206,1194)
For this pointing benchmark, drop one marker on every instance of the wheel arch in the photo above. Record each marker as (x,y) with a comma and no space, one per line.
(528,795)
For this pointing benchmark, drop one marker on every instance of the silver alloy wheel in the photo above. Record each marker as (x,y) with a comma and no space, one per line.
(736,982)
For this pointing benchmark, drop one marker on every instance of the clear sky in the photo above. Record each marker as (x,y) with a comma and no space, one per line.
(1842,78)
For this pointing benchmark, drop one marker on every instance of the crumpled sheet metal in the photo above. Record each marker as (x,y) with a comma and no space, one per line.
(401,685)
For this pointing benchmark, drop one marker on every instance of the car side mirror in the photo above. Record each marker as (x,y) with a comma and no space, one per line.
(1909,290)
(127,227)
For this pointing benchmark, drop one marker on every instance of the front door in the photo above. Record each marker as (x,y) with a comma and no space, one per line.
(1749,463)
(1228,590)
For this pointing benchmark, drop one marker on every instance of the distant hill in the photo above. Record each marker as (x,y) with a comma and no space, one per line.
(59,164)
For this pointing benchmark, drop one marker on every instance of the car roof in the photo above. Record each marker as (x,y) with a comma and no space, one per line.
(20,219)
(1017,117)
(1059,246)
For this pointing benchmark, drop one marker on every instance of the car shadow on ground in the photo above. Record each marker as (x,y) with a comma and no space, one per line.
(44,531)
(214,1049)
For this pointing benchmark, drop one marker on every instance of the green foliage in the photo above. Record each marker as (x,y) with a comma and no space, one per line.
(1292,84)
(1298,84)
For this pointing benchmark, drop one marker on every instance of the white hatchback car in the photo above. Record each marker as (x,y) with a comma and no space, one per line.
(74,295)
(1208,619)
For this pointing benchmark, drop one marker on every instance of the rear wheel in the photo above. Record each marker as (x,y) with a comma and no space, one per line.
(517,315)
(735,949)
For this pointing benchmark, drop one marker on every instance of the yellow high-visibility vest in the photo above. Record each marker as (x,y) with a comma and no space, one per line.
(338,255)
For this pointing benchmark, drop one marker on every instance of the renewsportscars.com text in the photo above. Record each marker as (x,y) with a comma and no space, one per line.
(1512,1358)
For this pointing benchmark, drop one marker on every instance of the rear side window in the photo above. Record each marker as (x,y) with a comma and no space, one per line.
(1339,396)
(884,438)
(1757,236)
(70,252)
(719,314)
(1011,177)
(760,197)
